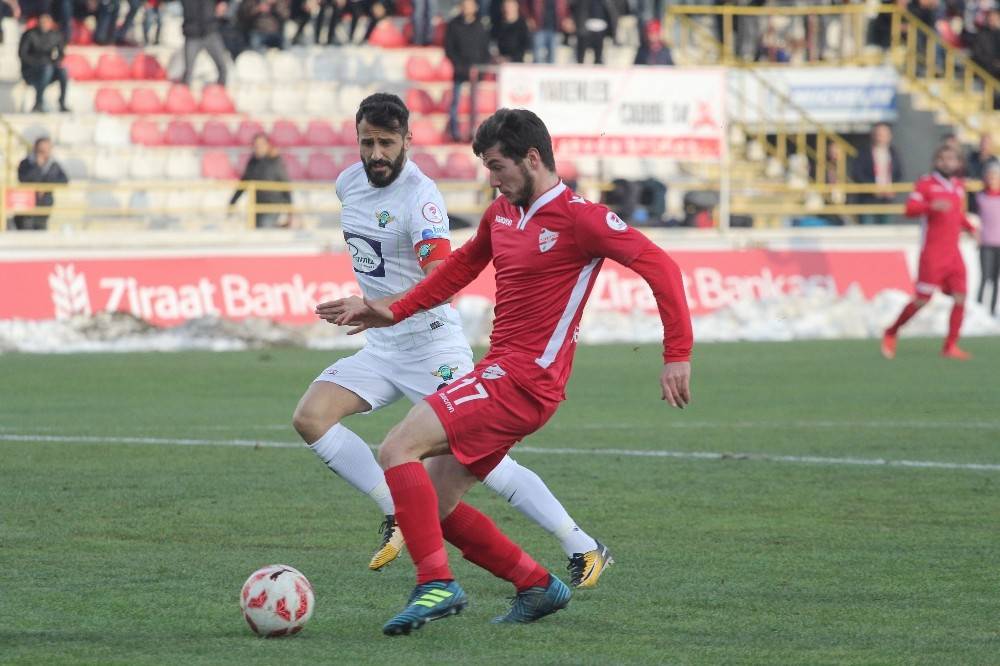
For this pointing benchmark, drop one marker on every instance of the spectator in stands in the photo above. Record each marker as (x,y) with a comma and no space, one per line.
(121,34)
(39,167)
(988,208)
(301,13)
(653,50)
(201,32)
(106,15)
(510,33)
(373,10)
(545,19)
(263,23)
(986,44)
(978,160)
(593,21)
(335,9)
(8,8)
(41,51)
(466,45)
(265,165)
(879,164)
(151,17)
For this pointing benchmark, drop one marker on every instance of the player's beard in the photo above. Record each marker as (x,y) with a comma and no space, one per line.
(522,197)
(379,180)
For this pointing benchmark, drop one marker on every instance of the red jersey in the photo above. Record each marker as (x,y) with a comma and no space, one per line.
(547,260)
(941,229)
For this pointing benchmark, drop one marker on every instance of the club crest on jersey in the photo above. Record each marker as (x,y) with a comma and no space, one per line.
(547,239)
(445,372)
(616,223)
(425,250)
(493,372)
(432,213)
(384,218)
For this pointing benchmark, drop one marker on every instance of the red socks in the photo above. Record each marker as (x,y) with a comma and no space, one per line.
(954,325)
(904,316)
(483,544)
(417,516)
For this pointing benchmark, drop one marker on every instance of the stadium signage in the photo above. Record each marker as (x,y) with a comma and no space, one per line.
(285,288)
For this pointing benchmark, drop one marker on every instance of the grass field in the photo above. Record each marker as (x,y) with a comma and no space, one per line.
(119,550)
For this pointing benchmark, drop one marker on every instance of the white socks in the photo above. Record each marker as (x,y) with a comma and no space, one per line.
(528,494)
(348,455)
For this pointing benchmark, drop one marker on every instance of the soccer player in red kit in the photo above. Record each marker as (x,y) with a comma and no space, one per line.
(940,199)
(547,245)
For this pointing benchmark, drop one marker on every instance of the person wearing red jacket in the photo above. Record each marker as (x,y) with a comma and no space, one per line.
(547,245)
(940,199)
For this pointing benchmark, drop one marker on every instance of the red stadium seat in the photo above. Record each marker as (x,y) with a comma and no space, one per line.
(426,134)
(387,35)
(112,67)
(181,133)
(349,133)
(285,134)
(146,133)
(215,164)
(293,167)
(247,130)
(320,133)
(110,100)
(487,101)
(445,72)
(320,166)
(420,101)
(215,133)
(147,68)
(419,68)
(215,99)
(428,165)
(78,67)
(180,101)
(145,101)
(82,35)
(460,166)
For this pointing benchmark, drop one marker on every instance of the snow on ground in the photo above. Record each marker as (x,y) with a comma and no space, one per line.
(806,317)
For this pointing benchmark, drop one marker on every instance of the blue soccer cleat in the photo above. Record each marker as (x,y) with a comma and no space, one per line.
(429,601)
(536,602)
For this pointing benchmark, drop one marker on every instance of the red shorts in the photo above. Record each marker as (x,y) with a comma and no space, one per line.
(947,275)
(486,412)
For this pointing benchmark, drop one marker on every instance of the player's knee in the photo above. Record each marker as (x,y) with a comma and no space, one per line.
(310,424)
(395,449)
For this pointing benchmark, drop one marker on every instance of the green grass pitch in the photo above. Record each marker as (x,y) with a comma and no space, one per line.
(133,553)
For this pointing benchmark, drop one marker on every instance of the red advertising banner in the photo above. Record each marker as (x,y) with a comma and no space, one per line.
(170,290)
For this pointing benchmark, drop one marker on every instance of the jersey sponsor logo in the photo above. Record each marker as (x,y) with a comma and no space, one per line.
(616,223)
(506,221)
(577,199)
(435,231)
(494,372)
(432,213)
(425,250)
(547,239)
(446,372)
(384,218)
(366,255)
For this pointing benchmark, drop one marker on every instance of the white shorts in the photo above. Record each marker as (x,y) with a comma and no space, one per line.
(381,378)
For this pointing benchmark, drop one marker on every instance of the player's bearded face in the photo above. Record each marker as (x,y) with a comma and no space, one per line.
(521,195)
(381,171)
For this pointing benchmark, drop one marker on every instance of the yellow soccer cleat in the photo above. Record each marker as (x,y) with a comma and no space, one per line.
(392,544)
(586,568)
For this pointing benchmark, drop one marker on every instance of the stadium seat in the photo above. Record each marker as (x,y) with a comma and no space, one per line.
(145,101)
(419,68)
(110,100)
(321,100)
(183,165)
(286,134)
(320,166)
(144,165)
(293,167)
(82,34)
(216,133)
(487,100)
(426,134)
(146,133)
(78,67)
(180,101)
(215,164)
(287,100)
(112,67)
(180,133)
(251,67)
(459,166)
(286,67)
(320,133)
(428,165)
(147,68)
(420,101)
(112,132)
(73,132)
(109,166)
(247,130)
(215,100)
(350,98)
(387,35)
(445,72)
(328,67)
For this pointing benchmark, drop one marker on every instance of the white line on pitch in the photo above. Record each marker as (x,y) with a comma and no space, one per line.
(628,453)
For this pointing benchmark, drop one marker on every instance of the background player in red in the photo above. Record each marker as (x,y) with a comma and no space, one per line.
(547,245)
(940,199)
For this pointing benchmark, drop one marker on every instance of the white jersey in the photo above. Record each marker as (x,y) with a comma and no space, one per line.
(384,228)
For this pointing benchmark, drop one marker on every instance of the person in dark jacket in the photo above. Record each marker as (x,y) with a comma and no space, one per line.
(545,19)
(41,51)
(263,23)
(986,44)
(265,165)
(39,167)
(466,45)
(511,33)
(880,164)
(201,32)
(653,50)
(593,22)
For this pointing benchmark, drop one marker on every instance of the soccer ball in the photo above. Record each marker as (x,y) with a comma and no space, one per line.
(277,600)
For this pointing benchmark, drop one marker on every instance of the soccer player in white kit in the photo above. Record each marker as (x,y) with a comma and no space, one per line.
(397,231)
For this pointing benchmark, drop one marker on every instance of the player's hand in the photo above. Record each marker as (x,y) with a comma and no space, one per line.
(941,205)
(676,383)
(360,313)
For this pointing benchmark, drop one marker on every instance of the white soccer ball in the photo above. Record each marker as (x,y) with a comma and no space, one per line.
(277,600)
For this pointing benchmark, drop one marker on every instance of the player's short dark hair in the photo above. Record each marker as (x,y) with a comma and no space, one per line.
(515,131)
(384,110)
(945,148)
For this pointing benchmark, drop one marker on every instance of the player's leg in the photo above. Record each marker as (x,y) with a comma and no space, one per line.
(527,492)
(924,290)
(994,278)
(954,285)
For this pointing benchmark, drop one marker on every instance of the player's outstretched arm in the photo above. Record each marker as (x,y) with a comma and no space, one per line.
(360,313)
